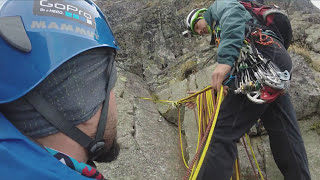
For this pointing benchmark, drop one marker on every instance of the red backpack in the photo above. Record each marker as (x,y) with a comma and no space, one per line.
(273,18)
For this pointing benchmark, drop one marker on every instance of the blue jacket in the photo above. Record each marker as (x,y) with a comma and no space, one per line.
(231,17)
(20,158)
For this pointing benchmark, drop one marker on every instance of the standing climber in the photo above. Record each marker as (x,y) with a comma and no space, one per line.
(238,114)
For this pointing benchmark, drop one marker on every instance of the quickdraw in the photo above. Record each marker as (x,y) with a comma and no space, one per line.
(258,77)
(215,36)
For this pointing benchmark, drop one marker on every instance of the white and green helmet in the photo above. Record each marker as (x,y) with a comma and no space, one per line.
(192,18)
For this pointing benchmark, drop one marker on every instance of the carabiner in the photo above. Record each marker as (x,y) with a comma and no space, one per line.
(255,97)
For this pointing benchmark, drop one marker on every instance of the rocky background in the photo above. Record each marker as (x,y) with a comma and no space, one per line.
(156,61)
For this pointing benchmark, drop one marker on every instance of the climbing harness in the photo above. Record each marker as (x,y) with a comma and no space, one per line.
(208,106)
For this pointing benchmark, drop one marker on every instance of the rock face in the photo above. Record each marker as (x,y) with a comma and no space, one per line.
(304,89)
(156,61)
(295,5)
(151,41)
(149,144)
(149,34)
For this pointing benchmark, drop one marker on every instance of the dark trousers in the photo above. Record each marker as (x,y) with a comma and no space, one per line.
(238,114)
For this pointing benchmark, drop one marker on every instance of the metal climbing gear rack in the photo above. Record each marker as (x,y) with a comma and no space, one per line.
(256,76)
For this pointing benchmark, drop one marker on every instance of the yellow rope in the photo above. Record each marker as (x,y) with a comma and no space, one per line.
(254,157)
(199,121)
(220,95)
(237,170)
(204,113)
(176,104)
(180,138)
(190,98)
(205,109)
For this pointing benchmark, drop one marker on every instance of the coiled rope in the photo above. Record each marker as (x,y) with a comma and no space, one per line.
(208,106)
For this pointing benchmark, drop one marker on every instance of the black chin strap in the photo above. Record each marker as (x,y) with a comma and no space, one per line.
(98,146)
(55,117)
(104,111)
(95,146)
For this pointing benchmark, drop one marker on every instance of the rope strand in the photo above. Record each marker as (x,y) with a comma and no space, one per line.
(208,106)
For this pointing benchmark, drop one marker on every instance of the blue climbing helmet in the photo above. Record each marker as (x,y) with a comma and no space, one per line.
(37,36)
